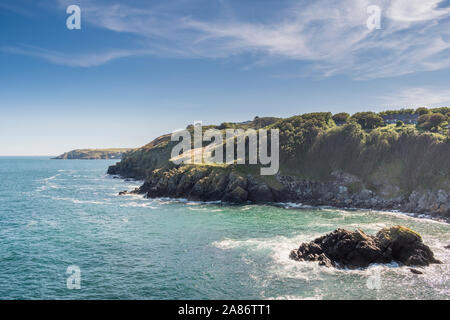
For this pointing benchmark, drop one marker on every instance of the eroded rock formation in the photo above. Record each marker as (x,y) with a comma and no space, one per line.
(355,249)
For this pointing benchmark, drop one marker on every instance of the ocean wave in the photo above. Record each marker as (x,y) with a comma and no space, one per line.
(78,201)
(48,186)
(288,205)
(282,267)
(397,213)
(167,200)
(52,177)
(278,249)
(136,204)
(296,297)
(48,183)
(31,223)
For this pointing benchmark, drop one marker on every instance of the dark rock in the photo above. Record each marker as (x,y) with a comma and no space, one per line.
(125,192)
(346,249)
(415,271)
(238,195)
(258,191)
(405,246)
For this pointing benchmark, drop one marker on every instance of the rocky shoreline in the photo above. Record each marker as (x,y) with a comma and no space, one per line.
(343,191)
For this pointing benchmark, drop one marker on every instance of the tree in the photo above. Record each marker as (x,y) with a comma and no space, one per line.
(422,110)
(437,119)
(441,110)
(431,121)
(399,123)
(341,117)
(368,120)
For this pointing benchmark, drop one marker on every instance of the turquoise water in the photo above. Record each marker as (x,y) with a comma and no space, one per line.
(54,214)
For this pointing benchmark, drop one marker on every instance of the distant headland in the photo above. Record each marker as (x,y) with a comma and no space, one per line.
(94,154)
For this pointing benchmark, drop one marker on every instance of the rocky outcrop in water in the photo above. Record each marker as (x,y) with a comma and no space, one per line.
(355,249)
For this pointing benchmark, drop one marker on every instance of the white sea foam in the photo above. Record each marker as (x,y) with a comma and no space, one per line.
(167,200)
(293,297)
(197,209)
(52,177)
(51,223)
(48,186)
(31,223)
(138,205)
(78,201)
(279,247)
(289,205)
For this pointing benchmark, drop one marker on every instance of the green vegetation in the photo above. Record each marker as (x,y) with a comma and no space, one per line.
(299,132)
(368,120)
(422,110)
(390,155)
(419,111)
(434,122)
(442,110)
(341,117)
(401,111)
(393,233)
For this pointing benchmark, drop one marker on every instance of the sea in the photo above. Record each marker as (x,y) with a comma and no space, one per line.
(65,233)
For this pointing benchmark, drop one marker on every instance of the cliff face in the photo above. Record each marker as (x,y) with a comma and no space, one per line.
(386,169)
(92,154)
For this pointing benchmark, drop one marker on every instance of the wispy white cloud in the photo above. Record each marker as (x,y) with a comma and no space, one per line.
(16,9)
(74,60)
(417,97)
(416,10)
(327,37)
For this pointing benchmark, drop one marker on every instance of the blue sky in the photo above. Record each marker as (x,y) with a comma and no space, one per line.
(138,69)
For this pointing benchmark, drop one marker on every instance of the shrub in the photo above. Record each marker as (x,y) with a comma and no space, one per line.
(442,110)
(431,122)
(368,120)
(401,111)
(422,110)
(341,117)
